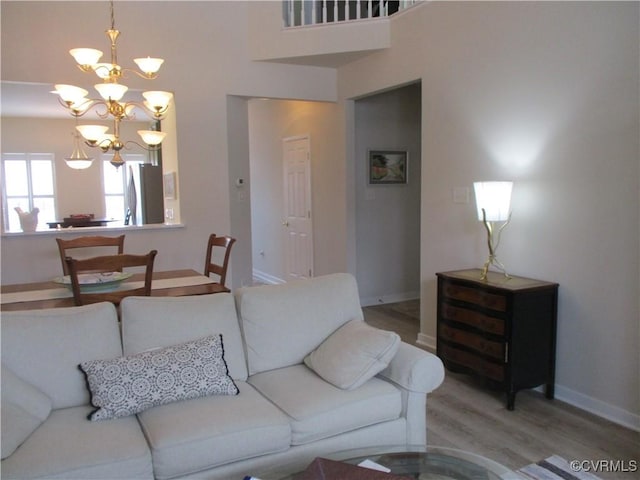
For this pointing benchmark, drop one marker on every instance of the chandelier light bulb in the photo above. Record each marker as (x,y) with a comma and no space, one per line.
(152,137)
(86,56)
(149,65)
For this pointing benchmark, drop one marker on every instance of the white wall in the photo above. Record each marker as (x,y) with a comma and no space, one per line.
(269,122)
(388,216)
(545,94)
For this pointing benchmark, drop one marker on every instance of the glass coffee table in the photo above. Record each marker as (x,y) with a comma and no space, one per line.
(412,462)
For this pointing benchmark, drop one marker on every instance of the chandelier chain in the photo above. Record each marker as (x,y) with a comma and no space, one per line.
(113,17)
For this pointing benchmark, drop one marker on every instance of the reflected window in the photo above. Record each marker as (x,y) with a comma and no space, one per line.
(120,197)
(32,186)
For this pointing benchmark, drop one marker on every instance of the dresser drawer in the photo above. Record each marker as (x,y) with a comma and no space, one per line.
(475,363)
(475,296)
(471,318)
(472,341)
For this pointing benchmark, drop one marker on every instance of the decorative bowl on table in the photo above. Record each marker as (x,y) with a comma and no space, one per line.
(96,282)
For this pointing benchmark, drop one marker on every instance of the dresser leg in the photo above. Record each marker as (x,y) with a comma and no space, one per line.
(549,391)
(511,400)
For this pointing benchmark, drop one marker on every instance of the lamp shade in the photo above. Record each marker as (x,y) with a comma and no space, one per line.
(495,199)
(158,100)
(152,137)
(78,159)
(149,65)
(86,56)
(93,133)
(70,94)
(111,91)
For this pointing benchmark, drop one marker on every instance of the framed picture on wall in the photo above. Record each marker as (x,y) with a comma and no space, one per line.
(388,167)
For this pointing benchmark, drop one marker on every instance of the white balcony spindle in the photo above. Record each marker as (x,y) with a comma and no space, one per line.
(324,11)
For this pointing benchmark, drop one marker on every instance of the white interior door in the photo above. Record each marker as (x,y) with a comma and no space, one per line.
(297,198)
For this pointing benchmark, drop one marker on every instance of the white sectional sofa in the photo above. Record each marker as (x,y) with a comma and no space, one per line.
(311,378)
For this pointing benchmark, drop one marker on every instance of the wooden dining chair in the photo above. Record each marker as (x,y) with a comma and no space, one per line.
(87,242)
(223,245)
(110,263)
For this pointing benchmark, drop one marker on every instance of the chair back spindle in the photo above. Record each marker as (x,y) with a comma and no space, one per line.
(225,243)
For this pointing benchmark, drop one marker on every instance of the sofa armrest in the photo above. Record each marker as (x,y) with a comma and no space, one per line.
(414,369)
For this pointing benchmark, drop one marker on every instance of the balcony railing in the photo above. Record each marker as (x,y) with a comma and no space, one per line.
(299,13)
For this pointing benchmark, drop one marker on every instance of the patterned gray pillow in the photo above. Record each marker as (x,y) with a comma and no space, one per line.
(128,385)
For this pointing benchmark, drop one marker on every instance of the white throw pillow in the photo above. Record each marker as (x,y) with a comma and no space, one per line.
(24,408)
(353,354)
(128,385)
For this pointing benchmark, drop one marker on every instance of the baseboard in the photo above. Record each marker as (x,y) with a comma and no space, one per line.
(427,341)
(579,400)
(598,407)
(262,277)
(392,298)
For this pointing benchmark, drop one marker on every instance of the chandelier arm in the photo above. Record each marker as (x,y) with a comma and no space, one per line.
(148,148)
(104,145)
(146,76)
(154,114)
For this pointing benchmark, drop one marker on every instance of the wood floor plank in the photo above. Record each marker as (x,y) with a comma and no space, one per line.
(464,414)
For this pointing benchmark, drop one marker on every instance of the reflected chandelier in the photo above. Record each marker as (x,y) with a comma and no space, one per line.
(75,98)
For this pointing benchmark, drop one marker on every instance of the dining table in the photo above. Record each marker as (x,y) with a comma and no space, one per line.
(51,294)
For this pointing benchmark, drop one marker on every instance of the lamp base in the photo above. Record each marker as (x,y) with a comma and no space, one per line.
(492,260)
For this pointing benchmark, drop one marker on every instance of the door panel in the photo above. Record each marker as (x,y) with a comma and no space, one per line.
(297,222)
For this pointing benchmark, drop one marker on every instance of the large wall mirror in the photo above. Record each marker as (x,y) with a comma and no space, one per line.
(37,135)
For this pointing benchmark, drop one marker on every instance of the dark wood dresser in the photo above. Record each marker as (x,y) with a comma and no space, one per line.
(501,330)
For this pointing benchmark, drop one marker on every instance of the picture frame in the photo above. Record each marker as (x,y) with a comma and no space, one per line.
(169,185)
(388,167)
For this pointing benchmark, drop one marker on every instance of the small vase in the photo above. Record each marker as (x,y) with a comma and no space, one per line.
(28,220)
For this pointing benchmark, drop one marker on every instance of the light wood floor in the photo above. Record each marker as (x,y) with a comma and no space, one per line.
(463,414)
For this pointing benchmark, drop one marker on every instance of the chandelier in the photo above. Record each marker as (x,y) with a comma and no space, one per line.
(111,104)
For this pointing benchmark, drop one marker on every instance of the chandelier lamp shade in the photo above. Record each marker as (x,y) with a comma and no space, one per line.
(111,105)
(493,202)
(78,160)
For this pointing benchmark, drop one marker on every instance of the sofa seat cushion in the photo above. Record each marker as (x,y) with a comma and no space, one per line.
(68,446)
(194,435)
(320,410)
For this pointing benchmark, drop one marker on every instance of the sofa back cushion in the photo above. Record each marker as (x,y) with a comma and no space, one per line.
(283,323)
(149,323)
(45,347)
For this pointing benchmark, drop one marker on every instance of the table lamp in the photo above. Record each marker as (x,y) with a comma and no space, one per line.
(493,201)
